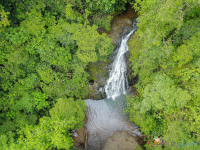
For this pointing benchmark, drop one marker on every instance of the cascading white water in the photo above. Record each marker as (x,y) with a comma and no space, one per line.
(117,83)
(106,116)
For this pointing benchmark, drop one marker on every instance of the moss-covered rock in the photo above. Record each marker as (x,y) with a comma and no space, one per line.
(99,73)
(134,49)
(98,69)
(134,46)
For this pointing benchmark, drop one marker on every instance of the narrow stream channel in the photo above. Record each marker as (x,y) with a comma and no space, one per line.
(106,116)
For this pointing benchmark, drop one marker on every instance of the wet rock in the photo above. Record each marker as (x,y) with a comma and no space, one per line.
(122,140)
(91,82)
(74,133)
(121,32)
(96,93)
(134,47)
(99,74)
(80,137)
(118,23)
(132,91)
(132,80)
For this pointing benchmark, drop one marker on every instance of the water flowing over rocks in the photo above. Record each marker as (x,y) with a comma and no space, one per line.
(117,83)
(121,25)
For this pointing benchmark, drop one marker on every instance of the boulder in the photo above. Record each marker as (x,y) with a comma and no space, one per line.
(99,74)
(123,140)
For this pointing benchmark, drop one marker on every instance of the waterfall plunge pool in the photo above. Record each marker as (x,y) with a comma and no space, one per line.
(104,118)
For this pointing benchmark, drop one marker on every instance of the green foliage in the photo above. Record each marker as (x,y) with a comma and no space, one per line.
(108,6)
(183,55)
(72,15)
(44,53)
(34,23)
(134,46)
(6,140)
(187,74)
(103,21)
(187,51)
(138,147)
(167,63)
(47,135)
(10,115)
(164,95)
(40,100)
(4,18)
(7,126)
(189,28)
(192,12)
(53,132)
(74,109)
(91,45)
(161,96)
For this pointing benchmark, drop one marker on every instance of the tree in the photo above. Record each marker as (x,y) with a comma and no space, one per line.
(91,45)
(47,135)
(53,132)
(74,108)
(4,18)
(43,60)
(158,100)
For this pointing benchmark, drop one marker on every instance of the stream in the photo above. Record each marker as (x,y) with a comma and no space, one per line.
(106,116)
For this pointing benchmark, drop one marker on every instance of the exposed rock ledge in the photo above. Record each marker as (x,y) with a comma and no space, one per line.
(122,140)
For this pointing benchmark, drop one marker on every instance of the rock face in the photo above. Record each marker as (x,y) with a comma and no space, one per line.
(134,46)
(99,72)
(118,23)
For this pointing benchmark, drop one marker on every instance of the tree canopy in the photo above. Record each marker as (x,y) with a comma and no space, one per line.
(45,48)
(166,59)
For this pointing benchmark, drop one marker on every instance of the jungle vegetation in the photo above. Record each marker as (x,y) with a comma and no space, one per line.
(166,59)
(45,49)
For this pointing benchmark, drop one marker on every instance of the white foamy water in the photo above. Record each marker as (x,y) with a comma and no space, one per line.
(117,83)
(106,116)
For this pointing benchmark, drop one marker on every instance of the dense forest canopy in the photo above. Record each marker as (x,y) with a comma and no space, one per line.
(166,58)
(45,49)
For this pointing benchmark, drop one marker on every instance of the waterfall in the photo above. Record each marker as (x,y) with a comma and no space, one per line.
(117,83)
(106,116)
